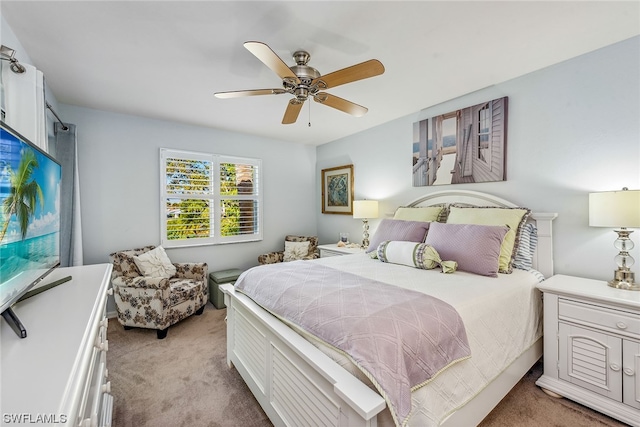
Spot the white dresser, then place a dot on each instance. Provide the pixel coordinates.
(57, 375)
(592, 345)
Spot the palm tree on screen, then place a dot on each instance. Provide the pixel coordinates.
(25, 193)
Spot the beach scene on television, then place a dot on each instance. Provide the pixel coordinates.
(29, 214)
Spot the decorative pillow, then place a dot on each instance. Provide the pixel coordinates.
(514, 218)
(155, 263)
(313, 241)
(418, 255)
(296, 250)
(523, 258)
(429, 213)
(396, 229)
(476, 248)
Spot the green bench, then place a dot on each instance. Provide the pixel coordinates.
(218, 278)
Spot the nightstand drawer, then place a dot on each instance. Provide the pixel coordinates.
(599, 317)
(335, 250)
(325, 253)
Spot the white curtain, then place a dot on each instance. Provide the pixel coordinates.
(24, 103)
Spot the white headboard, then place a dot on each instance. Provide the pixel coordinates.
(542, 259)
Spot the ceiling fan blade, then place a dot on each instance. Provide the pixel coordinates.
(340, 104)
(364, 70)
(271, 60)
(292, 112)
(241, 93)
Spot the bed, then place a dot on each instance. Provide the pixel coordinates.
(298, 380)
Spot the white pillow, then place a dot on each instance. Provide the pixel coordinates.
(296, 250)
(155, 263)
(411, 254)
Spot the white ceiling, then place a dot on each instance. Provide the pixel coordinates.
(165, 59)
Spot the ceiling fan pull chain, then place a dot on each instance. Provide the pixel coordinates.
(309, 113)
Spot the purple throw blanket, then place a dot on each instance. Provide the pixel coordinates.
(398, 337)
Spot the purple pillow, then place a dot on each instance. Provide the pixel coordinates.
(398, 230)
(476, 248)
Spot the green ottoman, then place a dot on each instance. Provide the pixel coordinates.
(218, 278)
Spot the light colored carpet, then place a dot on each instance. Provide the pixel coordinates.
(184, 380)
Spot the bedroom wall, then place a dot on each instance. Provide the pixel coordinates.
(9, 39)
(573, 128)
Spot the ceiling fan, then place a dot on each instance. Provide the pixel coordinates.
(304, 81)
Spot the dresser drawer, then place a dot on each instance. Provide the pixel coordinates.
(599, 317)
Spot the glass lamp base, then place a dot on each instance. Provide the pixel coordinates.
(365, 233)
(624, 279)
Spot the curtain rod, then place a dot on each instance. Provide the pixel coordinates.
(64, 127)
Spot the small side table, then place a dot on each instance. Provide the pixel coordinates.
(592, 345)
(334, 250)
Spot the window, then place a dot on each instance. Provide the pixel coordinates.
(209, 199)
(484, 133)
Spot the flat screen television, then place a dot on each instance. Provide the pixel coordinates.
(29, 218)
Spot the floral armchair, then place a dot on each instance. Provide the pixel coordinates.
(292, 250)
(156, 302)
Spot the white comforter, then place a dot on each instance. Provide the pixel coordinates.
(502, 317)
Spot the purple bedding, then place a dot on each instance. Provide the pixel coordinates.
(399, 338)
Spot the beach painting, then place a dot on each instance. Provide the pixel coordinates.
(462, 146)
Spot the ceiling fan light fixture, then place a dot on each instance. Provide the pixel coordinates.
(301, 93)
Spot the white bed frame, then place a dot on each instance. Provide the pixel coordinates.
(298, 385)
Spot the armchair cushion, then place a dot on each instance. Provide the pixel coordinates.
(155, 263)
(186, 290)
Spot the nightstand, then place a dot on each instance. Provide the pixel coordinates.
(334, 250)
(592, 345)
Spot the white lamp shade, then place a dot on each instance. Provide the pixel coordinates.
(615, 209)
(365, 209)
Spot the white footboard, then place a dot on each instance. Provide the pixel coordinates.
(294, 382)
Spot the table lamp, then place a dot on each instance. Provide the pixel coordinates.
(365, 209)
(619, 209)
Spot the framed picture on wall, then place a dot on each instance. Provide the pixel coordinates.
(337, 190)
(462, 146)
